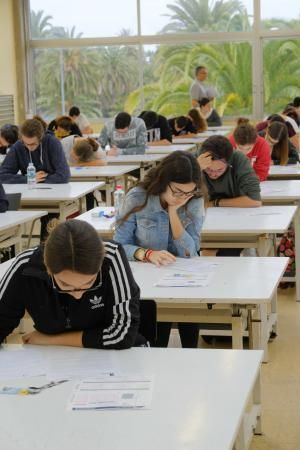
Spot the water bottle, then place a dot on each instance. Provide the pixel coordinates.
(119, 196)
(31, 176)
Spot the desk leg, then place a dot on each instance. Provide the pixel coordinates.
(260, 329)
(142, 172)
(237, 329)
(264, 246)
(251, 419)
(108, 192)
(297, 251)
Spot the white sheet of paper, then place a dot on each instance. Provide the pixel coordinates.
(21, 362)
(187, 279)
(194, 265)
(112, 391)
(85, 365)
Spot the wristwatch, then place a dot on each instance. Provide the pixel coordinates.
(140, 254)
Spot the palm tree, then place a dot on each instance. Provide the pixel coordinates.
(281, 73)
(206, 15)
(118, 70)
(40, 26)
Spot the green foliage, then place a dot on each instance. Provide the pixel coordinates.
(105, 80)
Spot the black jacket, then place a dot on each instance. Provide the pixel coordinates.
(108, 316)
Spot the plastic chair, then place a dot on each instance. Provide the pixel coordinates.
(14, 201)
(148, 320)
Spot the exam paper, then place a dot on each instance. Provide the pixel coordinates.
(194, 265)
(112, 391)
(24, 362)
(187, 279)
(84, 365)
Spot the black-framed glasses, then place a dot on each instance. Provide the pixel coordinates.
(182, 194)
(71, 291)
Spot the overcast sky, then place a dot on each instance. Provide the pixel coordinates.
(108, 17)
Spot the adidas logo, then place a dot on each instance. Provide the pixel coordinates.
(96, 302)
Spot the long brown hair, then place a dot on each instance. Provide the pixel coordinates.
(280, 151)
(73, 245)
(178, 167)
(244, 133)
(198, 121)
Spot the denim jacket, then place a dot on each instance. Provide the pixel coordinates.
(150, 227)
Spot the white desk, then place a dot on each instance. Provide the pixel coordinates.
(200, 137)
(103, 225)
(108, 174)
(202, 400)
(11, 226)
(226, 128)
(62, 198)
(246, 227)
(290, 172)
(167, 149)
(237, 284)
(144, 162)
(286, 192)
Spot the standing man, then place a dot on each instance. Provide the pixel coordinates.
(199, 89)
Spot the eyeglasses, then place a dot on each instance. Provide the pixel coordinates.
(70, 291)
(182, 194)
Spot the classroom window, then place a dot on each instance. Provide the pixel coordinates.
(57, 19)
(98, 79)
(174, 16)
(281, 73)
(169, 72)
(283, 17)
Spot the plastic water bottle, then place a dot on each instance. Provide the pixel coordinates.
(119, 196)
(31, 176)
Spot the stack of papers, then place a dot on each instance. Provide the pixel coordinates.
(112, 391)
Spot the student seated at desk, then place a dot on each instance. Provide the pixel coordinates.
(282, 150)
(3, 200)
(87, 149)
(199, 123)
(63, 126)
(126, 135)
(79, 291)
(182, 127)
(256, 148)
(209, 113)
(46, 154)
(42, 149)
(229, 178)
(158, 130)
(81, 120)
(9, 134)
(162, 218)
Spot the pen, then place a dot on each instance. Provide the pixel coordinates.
(43, 188)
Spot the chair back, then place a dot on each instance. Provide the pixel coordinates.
(148, 320)
(14, 201)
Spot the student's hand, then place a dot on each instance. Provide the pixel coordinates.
(37, 338)
(41, 176)
(173, 208)
(113, 151)
(161, 258)
(204, 160)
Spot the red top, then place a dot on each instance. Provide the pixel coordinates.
(260, 156)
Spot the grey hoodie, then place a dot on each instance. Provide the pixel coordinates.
(131, 143)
